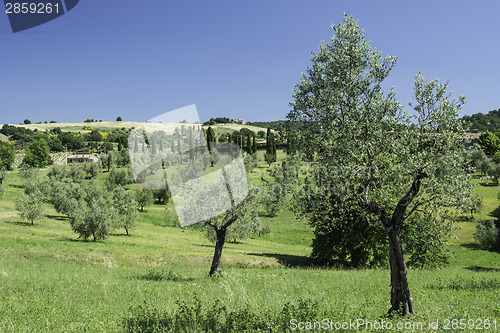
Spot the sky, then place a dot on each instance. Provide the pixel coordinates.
(238, 59)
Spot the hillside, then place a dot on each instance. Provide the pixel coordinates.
(51, 281)
(109, 125)
(483, 122)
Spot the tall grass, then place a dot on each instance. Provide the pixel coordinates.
(157, 278)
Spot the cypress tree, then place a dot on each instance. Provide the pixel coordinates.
(191, 151)
(274, 150)
(269, 144)
(249, 144)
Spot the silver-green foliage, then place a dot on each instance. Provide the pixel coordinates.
(30, 206)
(144, 197)
(125, 211)
(92, 215)
(366, 147)
(487, 234)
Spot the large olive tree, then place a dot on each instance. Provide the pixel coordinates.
(365, 148)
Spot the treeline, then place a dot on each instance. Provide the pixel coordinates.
(57, 140)
(274, 125)
(217, 120)
(483, 122)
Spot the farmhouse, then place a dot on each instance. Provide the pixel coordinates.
(82, 158)
(470, 139)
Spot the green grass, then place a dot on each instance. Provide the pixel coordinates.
(50, 281)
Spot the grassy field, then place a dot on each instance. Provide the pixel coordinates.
(50, 281)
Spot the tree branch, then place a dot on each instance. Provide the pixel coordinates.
(398, 215)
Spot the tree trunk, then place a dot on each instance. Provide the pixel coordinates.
(400, 292)
(126, 230)
(219, 244)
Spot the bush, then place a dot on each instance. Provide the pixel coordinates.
(91, 170)
(487, 234)
(7, 155)
(119, 177)
(215, 316)
(424, 237)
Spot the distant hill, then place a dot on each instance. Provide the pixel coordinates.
(275, 125)
(483, 122)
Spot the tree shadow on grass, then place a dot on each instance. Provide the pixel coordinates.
(495, 212)
(58, 217)
(488, 184)
(472, 246)
(205, 245)
(482, 269)
(80, 240)
(464, 218)
(27, 224)
(164, 275)
(286, 259)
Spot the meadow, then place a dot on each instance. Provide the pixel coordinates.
(50, 281)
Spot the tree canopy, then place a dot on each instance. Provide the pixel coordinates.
(364, 147)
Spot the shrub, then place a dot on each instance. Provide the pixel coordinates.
(487, 234)
(121, 177)
(215, 316)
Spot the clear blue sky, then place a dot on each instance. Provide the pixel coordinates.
(138, 59)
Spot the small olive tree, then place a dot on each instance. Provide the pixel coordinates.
(92, 215)
(144, 197)
(30, 206)
(125, 212)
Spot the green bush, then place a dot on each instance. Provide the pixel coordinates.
(487, 234)
(215, 316)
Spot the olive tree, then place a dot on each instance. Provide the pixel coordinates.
(92, 215)
(30, 206)
(125, 212)
(3, 174)
(237, 223)
(221, 202)
(364, 147)
(144, 197)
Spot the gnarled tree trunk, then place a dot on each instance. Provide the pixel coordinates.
(221, 238)
(400, 292)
